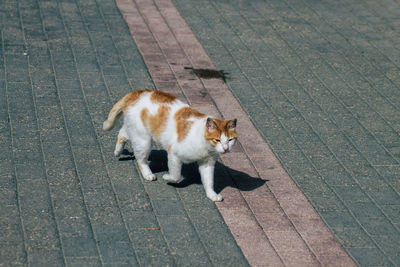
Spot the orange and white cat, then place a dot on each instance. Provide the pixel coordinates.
(186, 134)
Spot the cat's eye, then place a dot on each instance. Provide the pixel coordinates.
(230, 139)
(217, 140)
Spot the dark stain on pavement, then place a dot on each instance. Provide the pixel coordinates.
(209, 73)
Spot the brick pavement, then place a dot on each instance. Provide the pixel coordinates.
(273, 225)
(321, 82)
(65, 200)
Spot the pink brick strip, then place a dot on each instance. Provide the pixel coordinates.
(274, 224)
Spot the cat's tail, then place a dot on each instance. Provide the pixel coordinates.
(114, 115)
(118, 108)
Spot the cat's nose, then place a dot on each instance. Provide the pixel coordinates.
(225, 148)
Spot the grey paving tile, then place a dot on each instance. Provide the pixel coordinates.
(36, 211)
(213, 234)
(353, 237)
(13, 254)
(351, 193)
(118, 253)
(378, 226)
(38, 257)
(185, 243)
(389, 173)
(83, 261)
(369, 257)
(339, 220)
(389, 244)
(161, 191)
(79, 246)
(168, 207)
(393, 212)
(8, 196)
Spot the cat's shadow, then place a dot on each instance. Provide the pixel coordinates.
(224, 176)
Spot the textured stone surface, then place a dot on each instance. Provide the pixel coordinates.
(256, 214)
(320, 82)
(65, 200)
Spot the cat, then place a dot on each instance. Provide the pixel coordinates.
(186, 134)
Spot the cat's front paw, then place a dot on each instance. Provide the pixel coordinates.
(215, 197)
(118, 149)
(117, 153)
(170, 178)
(150, 177)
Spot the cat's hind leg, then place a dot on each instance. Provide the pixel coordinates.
(121, 140)
(141, 146)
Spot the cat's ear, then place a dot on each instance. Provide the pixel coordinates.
(210, 125)
(232, 124)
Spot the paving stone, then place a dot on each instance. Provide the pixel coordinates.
(168, 207)
(389, 244)
(82, 261)
(13, 255)
(369, 256)
(377, 226)
(351, 194)
(364, 209)
(393, 212)
(353, 237)
(39, 257)
(160, 191)
(185, 242)
(79, 247)
(209, 226)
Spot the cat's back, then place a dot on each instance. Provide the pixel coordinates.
(153, 110)
(149, 99)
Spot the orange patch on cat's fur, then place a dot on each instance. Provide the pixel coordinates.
(131, 98)
(144, 114)
(156, 123)
(214, 133)
(182, 122)
(162, 97)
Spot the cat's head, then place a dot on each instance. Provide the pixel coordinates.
(221, 134)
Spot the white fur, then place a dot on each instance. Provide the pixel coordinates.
(193, 148)
(225, 145)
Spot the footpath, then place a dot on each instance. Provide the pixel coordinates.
(314, 179)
